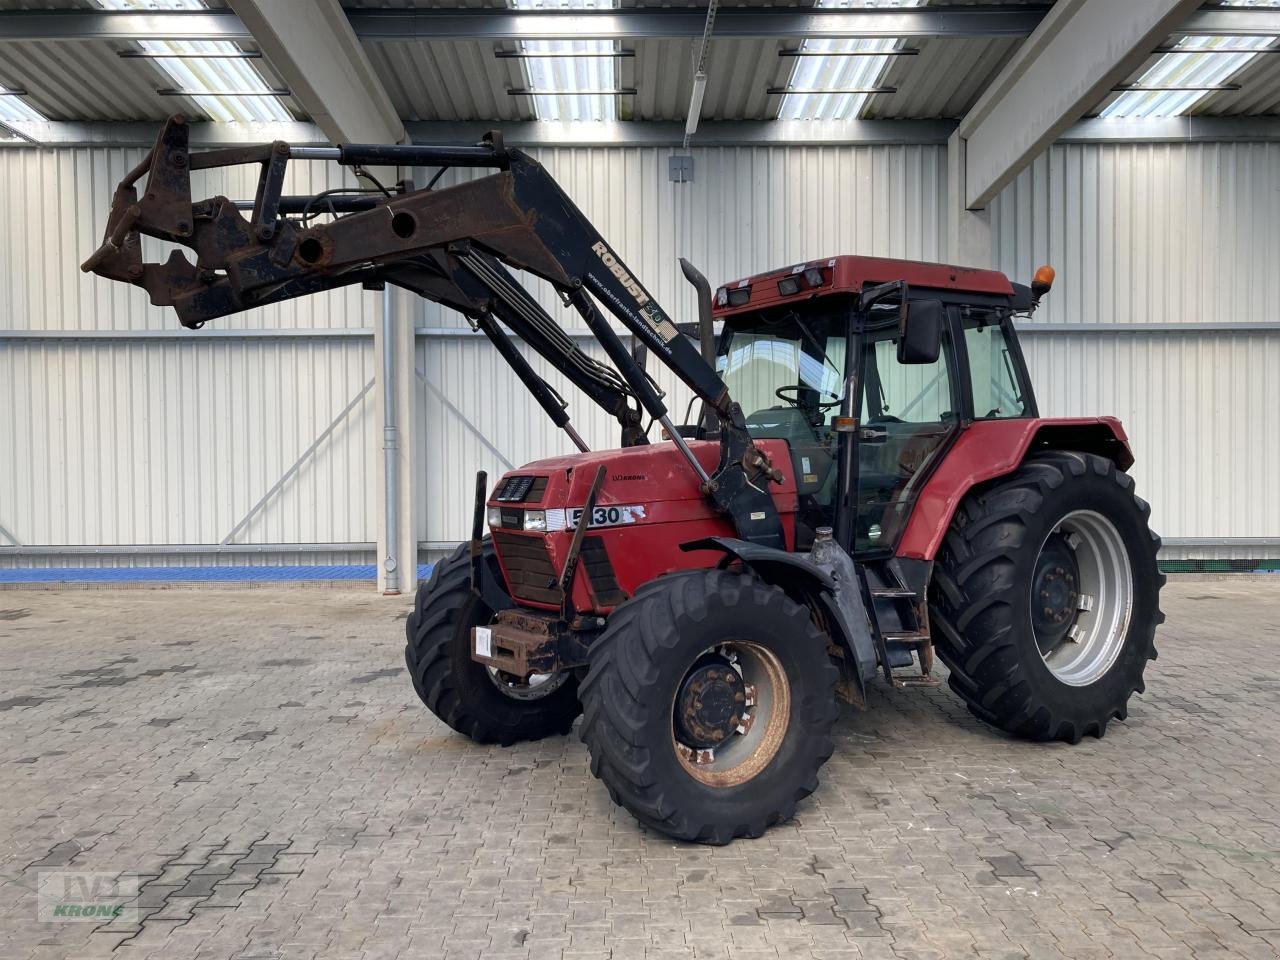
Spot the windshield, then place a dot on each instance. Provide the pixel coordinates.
(787, 372)
(801, 356)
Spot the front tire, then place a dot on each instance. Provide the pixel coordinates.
(1045, 598)
(708, 705)
(467, 695)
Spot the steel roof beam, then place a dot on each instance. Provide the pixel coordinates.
(993, 20)
(311, 45)
(528, 133)
(1231, 22)
(1079, 52)
(715, 133)
(732, 22)
(120, 25)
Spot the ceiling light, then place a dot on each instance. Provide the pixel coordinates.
(833, 79)
(218, 76)
(13, 109)
(1190, 71)
(571, 79)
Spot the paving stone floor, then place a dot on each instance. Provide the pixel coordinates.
(256, 760)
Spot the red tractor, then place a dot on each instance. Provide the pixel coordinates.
(868, 480)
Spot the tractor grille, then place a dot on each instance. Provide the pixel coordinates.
(521, 489)
(600, 572)
(527, 564)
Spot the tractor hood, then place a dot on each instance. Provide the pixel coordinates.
(639, 475)
(649, 504)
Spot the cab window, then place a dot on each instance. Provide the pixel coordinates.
(996, 386)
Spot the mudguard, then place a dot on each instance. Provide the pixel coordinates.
(989, 449)
(803, 579)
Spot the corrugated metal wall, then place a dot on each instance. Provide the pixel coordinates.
(1165, 235)
(135, 432)
(146, 441)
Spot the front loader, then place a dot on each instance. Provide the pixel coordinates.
(867, 481)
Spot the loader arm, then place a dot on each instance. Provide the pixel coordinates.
(448, 245)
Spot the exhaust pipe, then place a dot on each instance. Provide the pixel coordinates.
(706, 335)
(706, 328)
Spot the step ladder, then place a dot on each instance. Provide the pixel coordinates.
(899, 622)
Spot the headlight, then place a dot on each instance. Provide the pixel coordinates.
(535, 520)
(495, 517)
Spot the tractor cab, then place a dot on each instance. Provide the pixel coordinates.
(921, 358)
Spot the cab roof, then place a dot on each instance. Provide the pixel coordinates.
(849, 274)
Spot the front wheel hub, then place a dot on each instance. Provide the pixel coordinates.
(710, 704)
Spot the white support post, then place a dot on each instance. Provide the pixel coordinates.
(969, 239)
(397, 498)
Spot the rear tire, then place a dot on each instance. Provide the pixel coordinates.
(682, 641)
(463, 693)
(1068, 529)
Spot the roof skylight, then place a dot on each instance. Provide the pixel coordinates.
(230, 89)
(14, 109)
(571, 79)
(827, 87)
(1195, 72)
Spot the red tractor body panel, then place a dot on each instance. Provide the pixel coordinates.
(985, 450)
(632, 546)
(849, 274)
(650, 504)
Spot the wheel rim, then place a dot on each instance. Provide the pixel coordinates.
(1081, 597)
(730, 713)
(538, 685)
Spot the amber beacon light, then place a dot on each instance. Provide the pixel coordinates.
(1042, 281)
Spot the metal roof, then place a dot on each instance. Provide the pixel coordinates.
(88, 80)
(1259, 92)
(454, 80)
(1203, 61)
(463, 80)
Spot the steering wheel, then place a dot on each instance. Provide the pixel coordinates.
(781, 394)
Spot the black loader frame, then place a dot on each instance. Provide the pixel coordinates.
(450, 245)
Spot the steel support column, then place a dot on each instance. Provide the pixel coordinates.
(1078, 53)
(399, 496)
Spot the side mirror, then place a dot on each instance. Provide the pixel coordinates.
(919, 331)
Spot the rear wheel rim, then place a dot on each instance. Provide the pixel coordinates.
(1092, 586)
(754, 727)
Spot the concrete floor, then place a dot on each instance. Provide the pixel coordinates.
(257, 762)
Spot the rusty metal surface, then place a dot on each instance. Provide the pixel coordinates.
(523, 644)
(243, 263)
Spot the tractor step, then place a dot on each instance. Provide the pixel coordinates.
(905, 636)
(917, 681)
(893, 593)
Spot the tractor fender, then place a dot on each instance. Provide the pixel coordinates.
(806, 582)
(989, 449)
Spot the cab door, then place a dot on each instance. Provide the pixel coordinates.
(909, 413)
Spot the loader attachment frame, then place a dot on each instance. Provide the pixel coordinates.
(451, 245)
